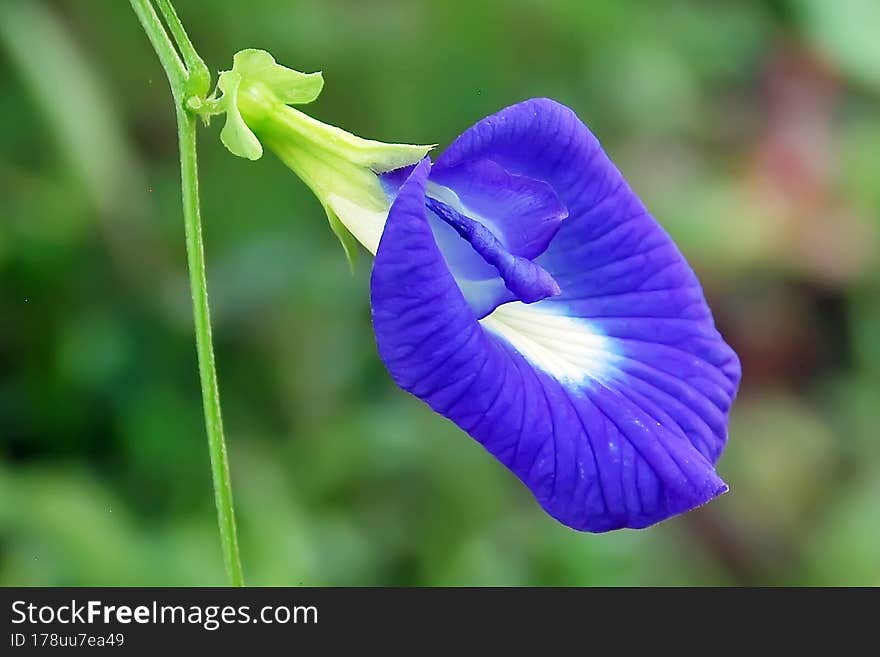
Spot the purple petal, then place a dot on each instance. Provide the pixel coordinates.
(618, 270)
(588, 401)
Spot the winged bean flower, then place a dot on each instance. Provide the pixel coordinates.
(521, 289)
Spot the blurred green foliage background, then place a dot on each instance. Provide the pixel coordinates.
(752, 130)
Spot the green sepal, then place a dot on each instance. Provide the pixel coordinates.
(377, 156)
(346, 239)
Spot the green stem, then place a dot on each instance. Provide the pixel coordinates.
(199, 77)
(195, 252)
(168, 56)
(180, 79)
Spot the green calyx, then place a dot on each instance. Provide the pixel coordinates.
(339, 167)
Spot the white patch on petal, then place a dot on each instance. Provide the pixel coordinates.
(366, 225)
(568, 348)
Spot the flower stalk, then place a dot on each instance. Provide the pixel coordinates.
(190, 81)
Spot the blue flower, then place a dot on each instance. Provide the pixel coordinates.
(522, 290)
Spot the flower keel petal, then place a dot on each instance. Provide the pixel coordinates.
(526, 280)
(524, 213)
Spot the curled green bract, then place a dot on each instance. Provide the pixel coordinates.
(261, 86)
(340, 168)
